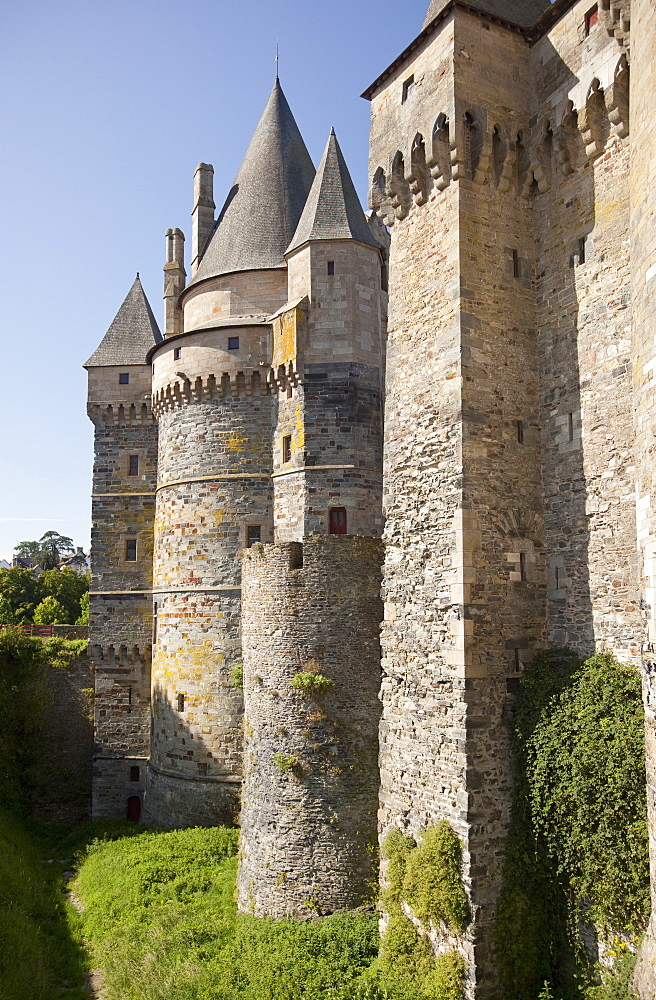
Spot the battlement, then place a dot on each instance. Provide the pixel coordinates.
(227, 385)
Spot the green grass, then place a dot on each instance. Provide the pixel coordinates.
(161, 918)
(40, 946)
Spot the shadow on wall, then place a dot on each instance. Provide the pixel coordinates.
(583, 290)
(184, 786)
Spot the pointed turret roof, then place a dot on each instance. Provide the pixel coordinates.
(266, 200)
(523, 13)
(333, 210)
(132, 333)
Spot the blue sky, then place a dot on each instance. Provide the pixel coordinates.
(107, 109)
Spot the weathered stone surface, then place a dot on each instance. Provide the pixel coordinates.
(310, 757)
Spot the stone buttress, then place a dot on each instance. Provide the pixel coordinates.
(311, 608)
(123, 507)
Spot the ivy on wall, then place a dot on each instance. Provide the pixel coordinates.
(577, 852)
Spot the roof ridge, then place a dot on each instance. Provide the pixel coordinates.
(332, 210)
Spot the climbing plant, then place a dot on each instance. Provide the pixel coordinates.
(578, 845)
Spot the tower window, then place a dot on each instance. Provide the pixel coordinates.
(570, 426)
(154, 623)
(134, 773)
(331, 267)
(233, 343)
(133, 466)
(515, 255)
(591, 18)
(124, 378)
(407, 87)
(522, 566)
(253, 534)
(131, 550)
(177, 353)
(520, 432)
(287, 448)
(181, 702)
(337, 521)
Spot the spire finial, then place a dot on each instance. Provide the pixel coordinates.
(137, 274)
(277, 59)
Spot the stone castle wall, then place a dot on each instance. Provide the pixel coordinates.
(584, 321)
(643, 295)
(310, 758)
(120, 612)
(214, 480)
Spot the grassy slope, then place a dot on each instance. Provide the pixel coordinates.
(161, 918)
(40, 952)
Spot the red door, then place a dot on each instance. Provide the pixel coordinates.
(134, 809)
(337, 520)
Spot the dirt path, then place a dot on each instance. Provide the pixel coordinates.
(94, 980)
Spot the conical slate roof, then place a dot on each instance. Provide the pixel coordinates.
(333, 210)
(132, 333)
(265, 203)
(523, 13)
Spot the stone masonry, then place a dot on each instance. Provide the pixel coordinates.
(512, 239)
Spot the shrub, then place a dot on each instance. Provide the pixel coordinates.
(50, 612)
(310, 683)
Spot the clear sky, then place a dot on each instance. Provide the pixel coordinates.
(107, 108)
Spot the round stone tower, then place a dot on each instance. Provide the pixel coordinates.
(214, 487)
(311, 614)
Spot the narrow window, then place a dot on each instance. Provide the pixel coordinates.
(331, 267)
(153, 369)
(557, 577)
(133, 468)
(570, 426)
(520, 432)
(129, 696)
(582, 250)
(177, 353)
(134, 773)
(253, 534)
(287, 448)
(124, 378)
(591, 18)
(154, 623)
(233, 343)
(517, 660)
(522, 566)
(131, 550)
(181, 702)
(337, 521)
(407, 87)
(515, 264)
(290, 392)
(512, 685)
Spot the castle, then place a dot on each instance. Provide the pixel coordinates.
(241, 474)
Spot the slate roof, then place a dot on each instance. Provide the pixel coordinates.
(333, 210)
(523, 13)
(132, 333)
(267, 198)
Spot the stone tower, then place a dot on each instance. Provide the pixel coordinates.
(215, 413)
(311, 603)
(500, 160)
(122, 510)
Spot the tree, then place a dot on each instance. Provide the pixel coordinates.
(67, 587)
(48, 551)
(29, 550)
(23, 696)
(50, 612)
(84, 610)
(20, 590)
(7, 616)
